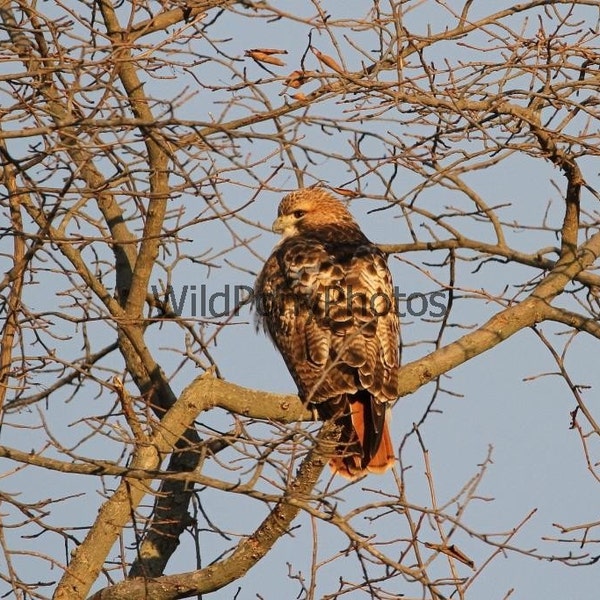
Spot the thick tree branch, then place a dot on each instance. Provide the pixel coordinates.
(13, 304)
(502, 325)
(249, 551)
(116, 512)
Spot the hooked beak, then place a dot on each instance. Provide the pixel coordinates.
(285, 224)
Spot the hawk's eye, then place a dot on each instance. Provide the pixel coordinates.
(298, 214)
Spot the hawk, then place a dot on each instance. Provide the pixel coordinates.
(325, 298)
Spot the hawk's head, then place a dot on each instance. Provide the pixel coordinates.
(309, 209)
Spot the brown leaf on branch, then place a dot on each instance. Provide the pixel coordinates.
(345, 192)
(269, 50)
(264, 57)
(452, 551)
(297, 79)
(328, 61)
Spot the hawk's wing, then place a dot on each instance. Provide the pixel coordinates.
(330, 310)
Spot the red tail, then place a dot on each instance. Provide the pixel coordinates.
(365, 445)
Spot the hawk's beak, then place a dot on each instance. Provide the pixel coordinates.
(285, 225)
(278, 225)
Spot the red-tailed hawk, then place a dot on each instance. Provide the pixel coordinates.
(325, 298)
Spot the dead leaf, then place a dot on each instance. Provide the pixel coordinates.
(452, 551)
(268, 50)
(346, 193)
(327, 60)
(265, 58)
(297, 78)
